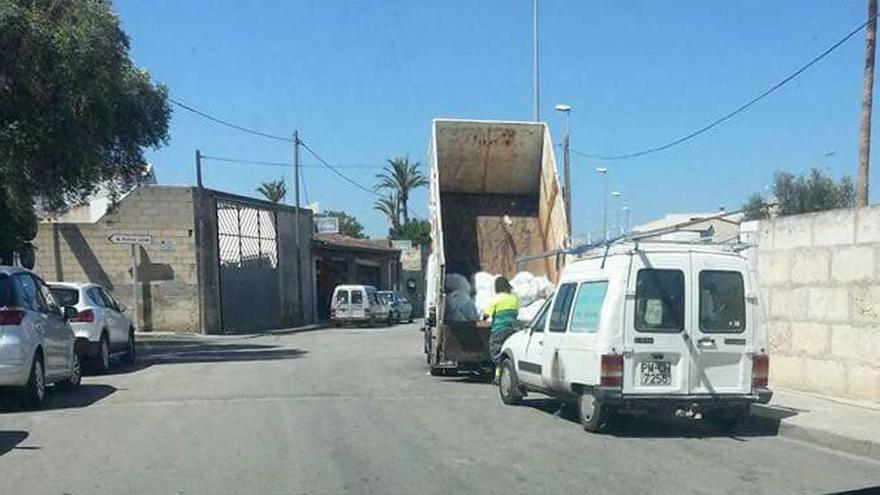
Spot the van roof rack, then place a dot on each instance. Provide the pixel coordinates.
(642, 236)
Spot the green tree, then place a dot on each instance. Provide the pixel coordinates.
(401, 176)
(794, 195)
(389, 206)
(348, 225)
(417, 231)
(274, 190)
(75, 112)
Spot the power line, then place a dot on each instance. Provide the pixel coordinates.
(227, 123)
(247, 161)
(733, 113)
(337, 172)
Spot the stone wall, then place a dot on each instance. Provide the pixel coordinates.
(820, 279)
(167, 271)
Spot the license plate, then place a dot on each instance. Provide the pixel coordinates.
(655, 373)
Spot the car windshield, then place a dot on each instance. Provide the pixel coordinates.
(65, 296)
(387, 297)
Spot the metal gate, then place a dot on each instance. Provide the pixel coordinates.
(250, 296)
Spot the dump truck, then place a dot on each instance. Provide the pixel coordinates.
(494, 198)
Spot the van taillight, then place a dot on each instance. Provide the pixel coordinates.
(760, 370)
(87, 316)
(11, 316)
(612, 370)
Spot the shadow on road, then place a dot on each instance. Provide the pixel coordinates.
(84, 395)
(198, 350)
(9, 439)
(664, 427)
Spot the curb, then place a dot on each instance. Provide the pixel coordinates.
(817, 436)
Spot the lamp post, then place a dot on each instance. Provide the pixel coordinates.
(626, 215)
(616, 195)
(604, 172)
(566, 196)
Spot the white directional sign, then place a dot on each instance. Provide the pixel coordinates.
(137, 239)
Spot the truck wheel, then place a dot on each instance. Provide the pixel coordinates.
(591, 411)
(508, 385)
(435, 371)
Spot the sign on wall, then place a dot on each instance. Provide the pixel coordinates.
(327, 225)
(135, 239)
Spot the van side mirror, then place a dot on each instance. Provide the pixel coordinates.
(68, 312)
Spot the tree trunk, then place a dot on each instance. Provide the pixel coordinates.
(403, 201)
(867, 98)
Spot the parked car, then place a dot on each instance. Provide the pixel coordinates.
(100, 325)
(36, 342)
(358, 304)
(401, 308)
(644, 328)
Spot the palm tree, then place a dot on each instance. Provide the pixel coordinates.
(389, 207)
(274, 190)
(401, 176)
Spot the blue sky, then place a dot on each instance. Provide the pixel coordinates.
(361, 80)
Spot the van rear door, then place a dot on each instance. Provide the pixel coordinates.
(724, 325)
(657, 324)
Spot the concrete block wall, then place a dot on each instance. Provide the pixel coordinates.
(168, 279)
(820, 281)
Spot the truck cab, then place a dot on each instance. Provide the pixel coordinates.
(642, 327)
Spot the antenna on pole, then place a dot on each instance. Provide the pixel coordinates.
(536, 82)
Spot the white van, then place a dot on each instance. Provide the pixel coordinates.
(642, 327)
(358, 304)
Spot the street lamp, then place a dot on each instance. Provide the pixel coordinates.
(604, 172)
(626, 214)
(566, 193)
(616, 195)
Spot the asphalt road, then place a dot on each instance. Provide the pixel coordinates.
(354, 411)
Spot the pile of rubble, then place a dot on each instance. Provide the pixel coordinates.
(466, 301)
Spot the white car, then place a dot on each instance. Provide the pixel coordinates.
(36, 343)
(100, 324)
(641, 327)
(358, 304)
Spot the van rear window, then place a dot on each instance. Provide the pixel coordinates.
(659, 301)
(722, 302)
(341, 297)
(7, 292)
(357, 297)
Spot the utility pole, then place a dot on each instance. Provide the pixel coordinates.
(199, 168)
(867, 99)
(299, 285)
(536, 98)
(604, 172)
(566, 193)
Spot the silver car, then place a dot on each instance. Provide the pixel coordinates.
(401, 308)
(100, 325)
(36, 342)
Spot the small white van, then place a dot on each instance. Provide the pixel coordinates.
(646, 326)
(358, 304)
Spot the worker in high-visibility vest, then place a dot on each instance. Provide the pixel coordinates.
(503, 311)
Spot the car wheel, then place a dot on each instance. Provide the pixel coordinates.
(591, 411)
(131, 350)
(508, 385)
(75, 375)
(34, 393)
(102, 359)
